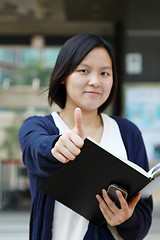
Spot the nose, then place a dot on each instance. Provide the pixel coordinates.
(94, 80)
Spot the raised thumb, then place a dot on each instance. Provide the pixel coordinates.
(78, 122)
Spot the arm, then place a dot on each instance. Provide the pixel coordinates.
(37, 136)
(44, 151)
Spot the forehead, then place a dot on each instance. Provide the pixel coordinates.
(98, 54)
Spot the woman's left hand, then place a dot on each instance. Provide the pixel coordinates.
(113, 215)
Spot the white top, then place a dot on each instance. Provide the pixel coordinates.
(74, 226)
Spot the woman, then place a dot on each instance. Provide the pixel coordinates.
(83, 84)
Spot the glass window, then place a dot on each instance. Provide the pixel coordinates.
(22, 65)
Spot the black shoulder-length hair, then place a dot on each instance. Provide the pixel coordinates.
(70, 56)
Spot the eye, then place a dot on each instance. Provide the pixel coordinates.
(105, 73)
(83, 71)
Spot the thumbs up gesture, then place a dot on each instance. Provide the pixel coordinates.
(78, 123)
(68, 145)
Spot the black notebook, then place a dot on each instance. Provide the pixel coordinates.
(76, 184)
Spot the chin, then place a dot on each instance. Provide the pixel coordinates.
(90, 108)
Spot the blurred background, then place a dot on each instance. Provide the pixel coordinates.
(31, 35)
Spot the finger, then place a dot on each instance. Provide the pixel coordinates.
(64, 157)
(72, 148)
(107, 205)
(59, 156)
(122, 200)
(112, 208)
(78, 122)
(102, 204)
(104, 212)
(67, 154)
(68, 139)
(67, 148)
(108, 201)
(76, 140)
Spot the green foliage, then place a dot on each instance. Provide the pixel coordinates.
(10, 143)
(34, 69)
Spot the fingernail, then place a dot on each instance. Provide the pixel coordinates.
(118, 192)
(98, 197)
(104, 191)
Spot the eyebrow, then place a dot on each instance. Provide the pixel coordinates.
(107, 67)
(86, 65)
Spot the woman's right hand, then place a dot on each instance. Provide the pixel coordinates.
(68, 145)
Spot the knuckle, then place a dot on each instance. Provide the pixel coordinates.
(55, 149)
(61, 139)
(110, 204)
(77, 152)
(81, 142)
(72, 157)
(53, 152)
(67, 133)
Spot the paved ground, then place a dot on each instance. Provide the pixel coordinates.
(154, 233)
(14, 225)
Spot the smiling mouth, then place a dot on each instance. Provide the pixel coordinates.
(92, 92)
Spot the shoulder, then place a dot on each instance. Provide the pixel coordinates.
(39, 122)
(133, 141)
(125, 124)
(40, 119)
(129, 131)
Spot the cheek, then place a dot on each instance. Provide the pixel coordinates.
(108, 86)
(72, 80)
(73, 87)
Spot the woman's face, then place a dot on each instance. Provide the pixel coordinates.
(89, 85)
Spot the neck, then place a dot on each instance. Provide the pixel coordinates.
(92, 123)
(91, 119)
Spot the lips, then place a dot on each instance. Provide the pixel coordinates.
(92, 92)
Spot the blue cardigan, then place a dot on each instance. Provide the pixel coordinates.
(36, 136)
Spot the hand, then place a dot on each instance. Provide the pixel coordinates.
(113, 215)
(68, 145)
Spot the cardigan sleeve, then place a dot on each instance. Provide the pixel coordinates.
(36, 136)
(139, 224)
